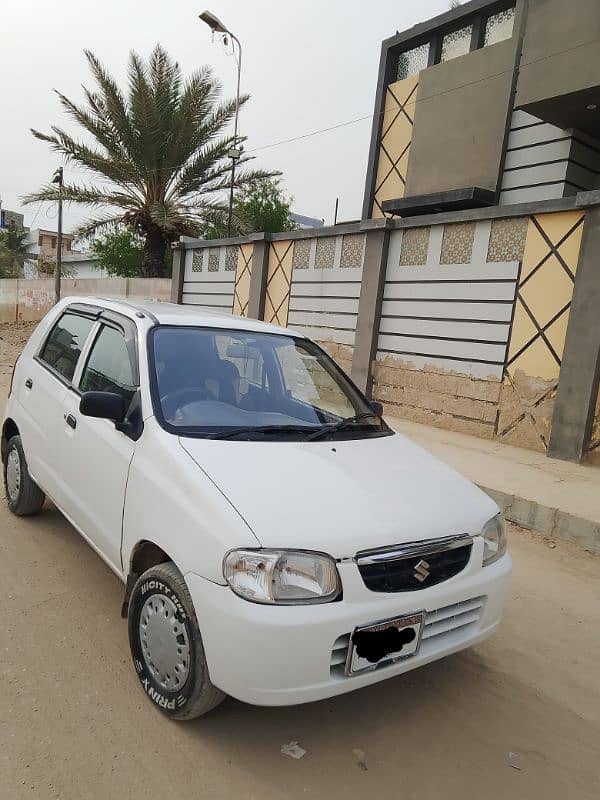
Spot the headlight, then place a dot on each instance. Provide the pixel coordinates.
(286, 577)
(494, 540)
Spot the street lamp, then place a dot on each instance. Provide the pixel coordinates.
(216, 26)
(58, 179)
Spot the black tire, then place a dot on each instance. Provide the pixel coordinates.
(28, 498)
(196, 695)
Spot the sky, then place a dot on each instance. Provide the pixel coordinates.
(307, 65)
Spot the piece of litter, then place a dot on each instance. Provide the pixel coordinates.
(293, 750)
(360, 759)
(513, 760)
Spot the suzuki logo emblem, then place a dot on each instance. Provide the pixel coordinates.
(421, 572)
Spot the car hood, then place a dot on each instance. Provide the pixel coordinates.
(340, 497)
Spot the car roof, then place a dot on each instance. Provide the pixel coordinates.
(174, 314)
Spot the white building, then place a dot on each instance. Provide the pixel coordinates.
(42, 246)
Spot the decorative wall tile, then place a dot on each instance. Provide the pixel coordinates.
(197, 260)
(231, 259)
(325, 255)
(457, 43)
(279, 279)
(396, 137)
(507, 239)
(539, 327)
(414, 247)
(241, 294)
(411, 62)
(499, 26)
(353, 249)
(213, 259)
(457, 244)
(301, 256)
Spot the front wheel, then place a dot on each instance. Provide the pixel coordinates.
(166, 645)
(23, 495)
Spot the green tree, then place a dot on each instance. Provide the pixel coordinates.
(261, 205)
(160, 152)
(13, 251)
(120, 252)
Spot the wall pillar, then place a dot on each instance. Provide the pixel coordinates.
(580, 371)
(178, 272)
(258, 276)
(369, 305)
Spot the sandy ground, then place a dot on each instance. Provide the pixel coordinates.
(74, 723)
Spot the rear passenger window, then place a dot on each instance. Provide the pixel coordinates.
(109, 368)
(65, 343)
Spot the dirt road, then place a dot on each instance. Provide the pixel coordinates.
(75, 725)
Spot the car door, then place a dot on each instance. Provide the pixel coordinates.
(44, 381)
(95, 456)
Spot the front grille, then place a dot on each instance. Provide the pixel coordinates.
(414, 567)
(444, 627)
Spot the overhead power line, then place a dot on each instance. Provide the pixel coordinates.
(312, 133)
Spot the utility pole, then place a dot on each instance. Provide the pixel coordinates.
(58, 179)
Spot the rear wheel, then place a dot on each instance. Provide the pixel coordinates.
(23, 495)
(166, 645)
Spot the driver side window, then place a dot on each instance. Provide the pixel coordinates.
(109, 367)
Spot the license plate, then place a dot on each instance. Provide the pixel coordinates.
(384, 642)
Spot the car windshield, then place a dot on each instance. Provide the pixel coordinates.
(246, 385)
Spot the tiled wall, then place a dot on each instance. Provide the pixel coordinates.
(473, 324)
(209, 277)
(473, 315)
(325, 291)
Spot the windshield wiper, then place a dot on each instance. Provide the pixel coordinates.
(260, 429)
(342, 425)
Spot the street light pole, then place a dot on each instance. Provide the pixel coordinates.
(216, 26)
(235, 152)
(58, 179)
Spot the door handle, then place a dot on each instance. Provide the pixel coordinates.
(29, 383)
(71, 421)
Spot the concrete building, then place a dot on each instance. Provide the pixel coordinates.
(42, 243)
(42, 246)
(6, 217)
(493, 102)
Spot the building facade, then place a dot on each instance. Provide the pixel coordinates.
(494, 102)
(467, 297)
(42, 243)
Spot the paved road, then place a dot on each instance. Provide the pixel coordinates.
(75, 725)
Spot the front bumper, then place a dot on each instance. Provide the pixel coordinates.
(282, 655)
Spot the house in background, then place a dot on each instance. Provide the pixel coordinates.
(42, 246)
(6, 217)
(301, 221)
(42, 243)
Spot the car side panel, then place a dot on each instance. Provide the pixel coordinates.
(171, 502)
(36, 406)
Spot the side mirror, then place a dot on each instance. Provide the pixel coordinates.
(103, 405)
(376, 407)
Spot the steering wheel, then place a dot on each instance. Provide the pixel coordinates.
(174, 401)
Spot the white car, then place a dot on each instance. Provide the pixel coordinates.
(277, 540)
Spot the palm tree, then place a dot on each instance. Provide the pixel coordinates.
(160, 153)
(13, 250)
